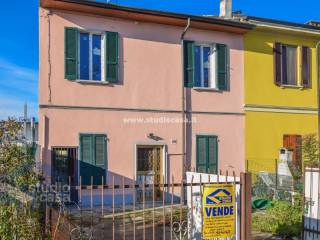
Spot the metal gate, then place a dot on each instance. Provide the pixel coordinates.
(311, 219)
(113, 212)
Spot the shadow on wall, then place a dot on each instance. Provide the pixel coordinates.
(262, 47)
(189, 137)
(123, 190)
(65, 173)
(45, 152)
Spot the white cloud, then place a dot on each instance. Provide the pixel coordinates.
(17, 86)
(19, 78)
(27, 73)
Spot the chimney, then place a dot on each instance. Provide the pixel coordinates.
(226, 8)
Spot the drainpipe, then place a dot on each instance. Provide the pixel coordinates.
(318, 87)
(183, 102)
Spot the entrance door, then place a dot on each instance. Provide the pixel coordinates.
(64, 171)
(149, 170)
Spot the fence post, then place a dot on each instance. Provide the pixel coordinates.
(303, 202)
(245, 191)
(277, 176)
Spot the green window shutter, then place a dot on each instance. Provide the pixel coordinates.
(112, 56)
(212, 154)
(92, 158)
(222, 66)
(188, 63)
(86, 156)
(201, 154)
(100, 151)
(207, 154)
(70, 53)
(100, 159)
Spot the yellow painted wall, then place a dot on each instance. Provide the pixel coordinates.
(264, 135)
(259, 71)
(264, 130)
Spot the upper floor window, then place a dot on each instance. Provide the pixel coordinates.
(289, 65)
(203, 59)
(286, 65)
(206, 65)
(91, 55)
(90, 58)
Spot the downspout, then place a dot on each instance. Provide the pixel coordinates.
(49, 55)
(318, 88)
(183, 110)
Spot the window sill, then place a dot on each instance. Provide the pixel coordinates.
(93, 82)
(207, 89)
(292, 86)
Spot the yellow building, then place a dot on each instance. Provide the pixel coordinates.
(281, 82)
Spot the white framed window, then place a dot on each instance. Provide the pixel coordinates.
(210, 66)
(91, 60)
(204, 62)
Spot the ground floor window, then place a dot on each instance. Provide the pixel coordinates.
(92, 158)
(207, 154)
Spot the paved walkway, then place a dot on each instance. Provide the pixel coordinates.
(264, 236)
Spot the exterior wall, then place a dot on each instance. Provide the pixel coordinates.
(264, 136)
(259, 71)
(150, 67)
(122, 135)
(150, 87)
(267, 105)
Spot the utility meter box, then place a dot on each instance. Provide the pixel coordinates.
(285, 155)
(285, 158)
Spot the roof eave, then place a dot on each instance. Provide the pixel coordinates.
(277, 25)
(292, 30)
(142, 15)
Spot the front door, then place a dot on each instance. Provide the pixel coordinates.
(149, 170)
(63, 170)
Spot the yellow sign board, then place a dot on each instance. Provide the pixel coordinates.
(219, 211)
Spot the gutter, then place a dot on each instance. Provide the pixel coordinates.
(293, 30)
(276, 22)
(144, 15)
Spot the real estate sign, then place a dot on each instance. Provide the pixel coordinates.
(218, 210)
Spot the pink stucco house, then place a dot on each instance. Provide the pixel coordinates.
(117, 82)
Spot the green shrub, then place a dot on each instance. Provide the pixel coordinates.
(18, 223)
(17, 163)
(282, 219)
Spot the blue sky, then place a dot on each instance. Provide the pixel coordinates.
(19, 38)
